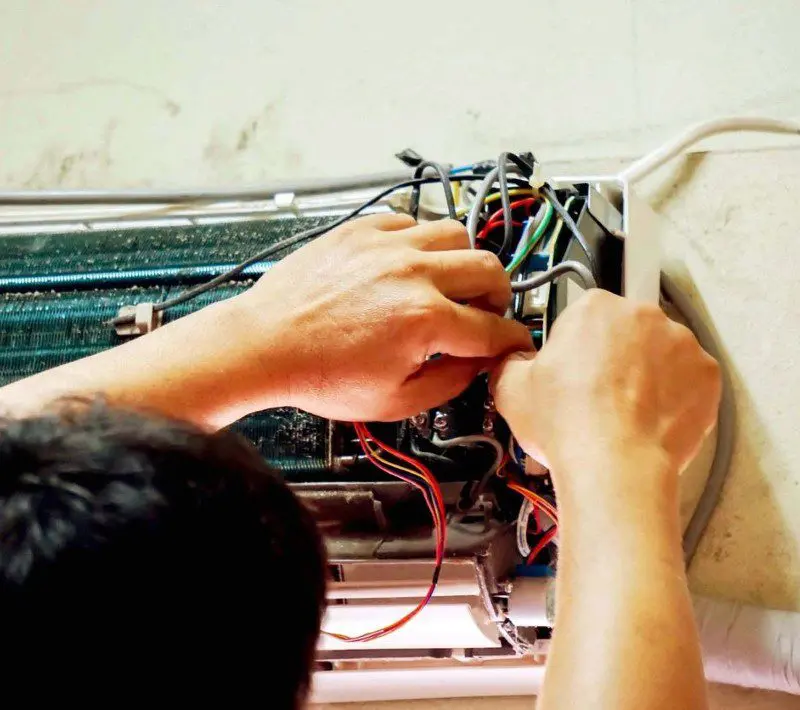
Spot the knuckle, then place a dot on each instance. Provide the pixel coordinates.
(403, 220)
(683, 336)
(490, 261)
(648, 311)
(595, 299)
(448, 231)
(411, 266)
(425, 312)
(453, 228)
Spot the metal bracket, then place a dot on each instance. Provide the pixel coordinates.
(145, 319)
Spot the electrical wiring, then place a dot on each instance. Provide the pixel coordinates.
(526, 171)
(700, 131)
(419, 453)
(473, 440)
(527, 243)
(232, 273)
(549, 250)
(474, 216)
(485, 232)
(498, 217)
(546, 277)
(446, 185)
(462, 169)
(523, 520)
(562, 212)
(419, 476)
(535, 499)
(481, 195)
(544, 541)
(726, 421)
(518, 192)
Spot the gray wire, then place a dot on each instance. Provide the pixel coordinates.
(472, 440)
(474, 216)
(561, 211)
(553, 274)
(444, 178)
(726, 423)
(438, 458)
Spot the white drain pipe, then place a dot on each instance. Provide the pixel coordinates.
(749, 646)
(742, 645)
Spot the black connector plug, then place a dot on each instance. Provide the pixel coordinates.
(409, 157)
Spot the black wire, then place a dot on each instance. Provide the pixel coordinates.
(505, 198)
(444, 177)
(561, 211)
(233, 272)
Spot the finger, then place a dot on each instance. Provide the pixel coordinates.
(508, 370)
(465, 331)
(471, 275)
(438, 381)
(506, 382)
(443, 234)
(385, 222)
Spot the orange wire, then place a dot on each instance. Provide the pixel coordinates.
(436, 508)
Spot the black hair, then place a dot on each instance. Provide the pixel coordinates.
(137, 547)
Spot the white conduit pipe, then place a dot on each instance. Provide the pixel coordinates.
(749, 646)
(742, 645)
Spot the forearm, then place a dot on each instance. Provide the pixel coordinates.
(625, 634)
(179, 371)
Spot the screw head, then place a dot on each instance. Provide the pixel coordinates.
(440, 421)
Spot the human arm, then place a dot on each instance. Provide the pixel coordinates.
(342, 328)
(616, 404)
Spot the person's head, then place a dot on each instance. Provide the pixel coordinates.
(148, 547)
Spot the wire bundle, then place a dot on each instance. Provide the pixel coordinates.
(543, 505)
(524, 166)
(415, 473)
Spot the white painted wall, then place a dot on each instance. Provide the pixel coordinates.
(148, 92)
(104, 93)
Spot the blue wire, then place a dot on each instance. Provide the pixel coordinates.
(461, 169)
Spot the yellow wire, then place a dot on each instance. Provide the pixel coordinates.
(392, 464)
(398, 467)
(496, 196)
(536, 499)
(511, 193)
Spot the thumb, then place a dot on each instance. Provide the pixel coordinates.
(507, 383)
(440, 380)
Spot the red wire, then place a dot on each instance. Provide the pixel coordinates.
(421, 467)
(544, 541)
(496, 218)
(437, 510)
(535, 512)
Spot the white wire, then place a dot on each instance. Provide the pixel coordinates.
(525, 511)
(680, 143)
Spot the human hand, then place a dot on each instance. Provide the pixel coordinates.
(616, 378)
(347, 324)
